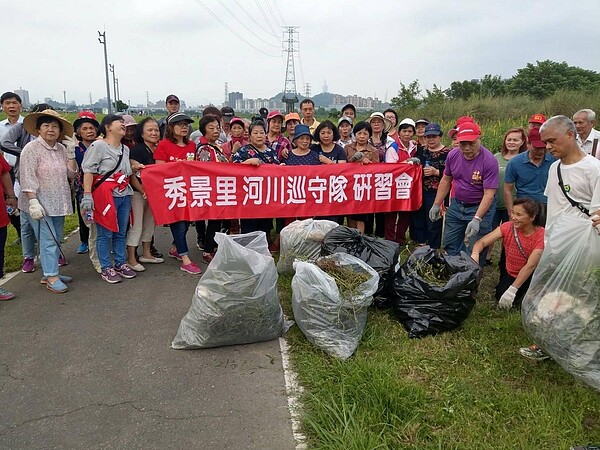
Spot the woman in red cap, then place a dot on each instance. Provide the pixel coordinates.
(275, 138)
(237, 128)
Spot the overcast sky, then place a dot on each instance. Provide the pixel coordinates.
(358, 47)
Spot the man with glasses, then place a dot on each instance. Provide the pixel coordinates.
(473, 172)
(172, 106)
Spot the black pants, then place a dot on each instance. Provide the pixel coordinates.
(507, 280)
(250, 225)
(212, 228)
(84, 231)
(3, 234)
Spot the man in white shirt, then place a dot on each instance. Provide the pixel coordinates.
(588, 138)
(12, 106)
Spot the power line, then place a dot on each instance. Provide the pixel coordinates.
(265, 17)
(233, 31)
(253, 20)
(245, 26)
(279, 12)
(276, 19)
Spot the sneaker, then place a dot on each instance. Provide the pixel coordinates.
(6, 295)
(83, 248)
(173, 254)
(58, 287)
(191, 268)
(63, 278)
(533, 352)
(110, 275)
(208, 257)
(155, 252)
(200, 246)
(62, 261)
(125, 271)
(28, 265)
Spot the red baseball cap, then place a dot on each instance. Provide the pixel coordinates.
(85, 116)
(537, 118)
(463, 119)
(468, 132)
(535, 138)
(452, 132)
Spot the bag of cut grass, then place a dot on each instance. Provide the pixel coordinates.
(434, 292)
(380, 254)
(560, 310)
(302, 239)
(236, 299)
(330, 297)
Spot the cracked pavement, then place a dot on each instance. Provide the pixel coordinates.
(93, 368)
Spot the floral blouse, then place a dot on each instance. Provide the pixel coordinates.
(268, 156)
(43, 170)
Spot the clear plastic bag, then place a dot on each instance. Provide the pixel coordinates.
(236, 299)
(560, 310)
(302, 239)
(330, 320)
(382, 255)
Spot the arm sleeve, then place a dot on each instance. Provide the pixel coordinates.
(91, 159)
(491, 170)
(27, 170)
(9, 140)
(509, 174)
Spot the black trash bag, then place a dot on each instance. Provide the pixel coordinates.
(430, 307)
(380, 254)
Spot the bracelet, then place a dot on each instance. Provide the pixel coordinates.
(11, 196)
(478, 218)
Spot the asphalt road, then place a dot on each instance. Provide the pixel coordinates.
(93, 368)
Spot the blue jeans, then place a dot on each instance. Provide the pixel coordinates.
(46, 230)
(123, 207)
(458, 217)
(426, 231)
(27, 238)
(179, 232)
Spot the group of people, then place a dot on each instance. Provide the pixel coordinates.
(483, 197)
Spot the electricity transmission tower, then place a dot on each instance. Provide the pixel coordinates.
(290, 96)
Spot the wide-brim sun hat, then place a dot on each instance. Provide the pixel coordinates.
(387, 124)
(179, 117)
(301, 130)
(30, 121)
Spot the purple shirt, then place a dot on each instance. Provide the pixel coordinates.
(470, 178)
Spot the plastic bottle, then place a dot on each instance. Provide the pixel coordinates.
(427, 164)
(12, 211)
(88, 217)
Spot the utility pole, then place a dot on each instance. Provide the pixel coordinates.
(112, 70)
(102, 40)
(307, 89)
(118, 96)
(91, 99)
(226, 102)
(290, 96)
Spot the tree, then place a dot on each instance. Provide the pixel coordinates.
(462, 89)
(492, 86)
(546, 77)
(120, 106)
(434, 96)
(334, 113)
(408, 96)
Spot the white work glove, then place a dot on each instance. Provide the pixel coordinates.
(472, 228)
(36, 211)
(507, 299)
(435, 213)
(87, 202)
(70, 143)
(413, 160)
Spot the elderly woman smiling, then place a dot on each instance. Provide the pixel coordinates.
(45, 169)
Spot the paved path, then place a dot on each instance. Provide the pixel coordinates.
(93, 368)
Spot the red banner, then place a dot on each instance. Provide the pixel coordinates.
(191, 190)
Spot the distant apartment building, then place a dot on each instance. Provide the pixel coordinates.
(368, 103)
(24, 94)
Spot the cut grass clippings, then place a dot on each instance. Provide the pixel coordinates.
(464, 389)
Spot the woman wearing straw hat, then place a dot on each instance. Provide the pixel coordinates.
(45, 169)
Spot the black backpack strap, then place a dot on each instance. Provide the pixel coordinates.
(594, 147)
(577, 205)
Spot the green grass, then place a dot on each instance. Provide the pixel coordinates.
(13, 255)
(465, 389)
